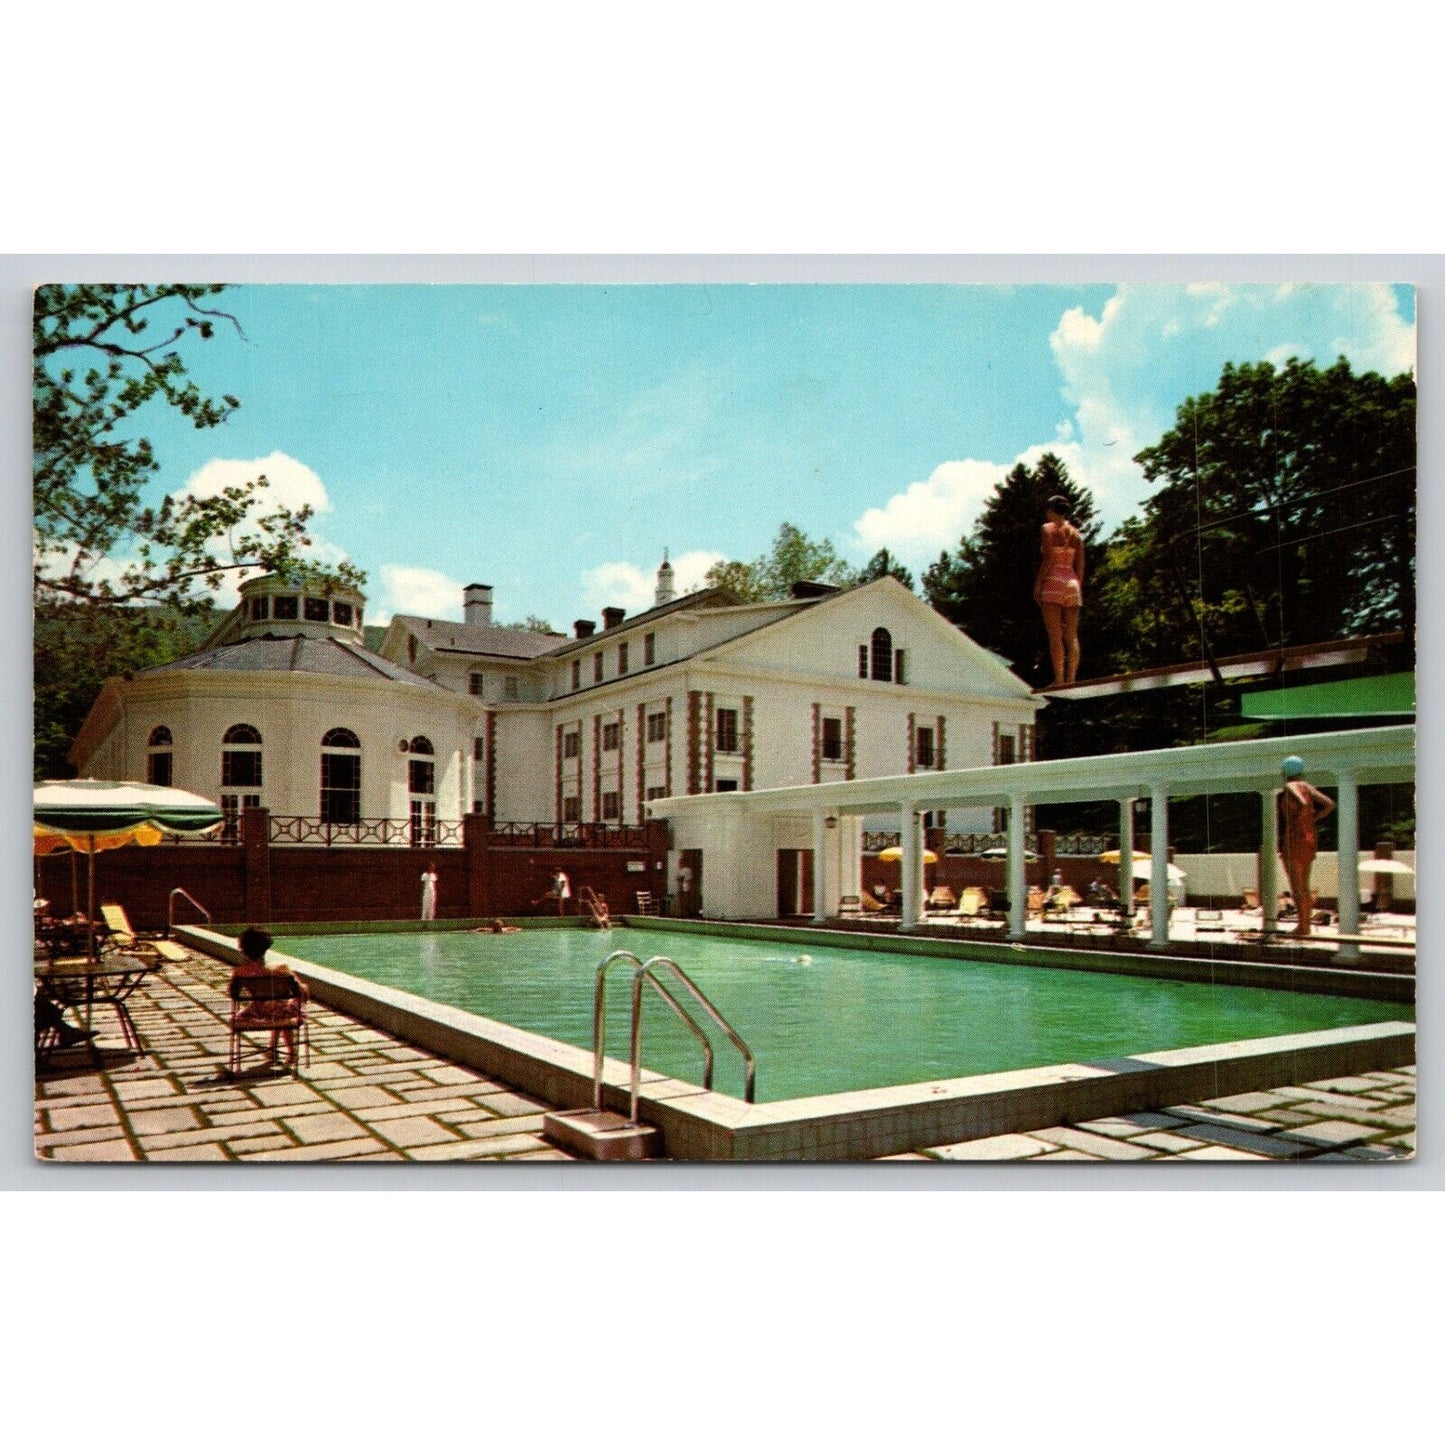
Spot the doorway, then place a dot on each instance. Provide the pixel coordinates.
(795, 882)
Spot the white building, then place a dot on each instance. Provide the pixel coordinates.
(285, 708)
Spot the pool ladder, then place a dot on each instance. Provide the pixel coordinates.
(598, 1132)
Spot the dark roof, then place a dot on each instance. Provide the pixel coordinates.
(322, 656)
(474, 639)
(703, 598)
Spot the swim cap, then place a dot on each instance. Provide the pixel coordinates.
(1292, 766)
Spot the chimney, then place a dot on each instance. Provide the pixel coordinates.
(665, 589)
(584, 627)
(611, 616)
(477, 605)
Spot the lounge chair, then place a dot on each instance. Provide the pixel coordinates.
(869, 903)
(973, 903)
(943, 900)
(1035, 902)
(646, 904)
(850, 906)
(119, 934)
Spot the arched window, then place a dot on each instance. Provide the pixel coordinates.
(882, 655)
(159, 758)
(340, 777)
(421, 784)
(241, 757)
(240, 776)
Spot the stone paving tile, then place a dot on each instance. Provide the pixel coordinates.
(503, 1102)
(77, 1138)
(1374, 1152)
(489, 1128)
(1203, 1113)
(1331, 1132)
(507, 1145)
(164, 1121)
(317, 1128)
(82, 1117)
(1066, 1155)
(166, 1144)
(337, 1149)
(100, 1152)
(134, 1090)
(1166, 1142)
(197, 1154)
(410, 1133)
(1243, 1103)
(361, 1098)
(1355, 1084)
(1099, 1146)
(999, 1147)
(1220, 1153)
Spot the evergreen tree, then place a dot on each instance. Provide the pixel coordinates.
(884, 564)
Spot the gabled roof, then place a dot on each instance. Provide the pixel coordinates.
(989, 663)
(320, 656)
(471, 639)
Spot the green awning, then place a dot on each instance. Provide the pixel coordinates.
(1392, 695)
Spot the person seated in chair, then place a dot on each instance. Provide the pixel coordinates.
(283, 1012)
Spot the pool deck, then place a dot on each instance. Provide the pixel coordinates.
(366, 1096)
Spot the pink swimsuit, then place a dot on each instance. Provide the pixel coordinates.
(1060, 584)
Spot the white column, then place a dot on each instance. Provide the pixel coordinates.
(1269, 859)
(911, 865)
(820, 867)
(1017, 889)
(1159, 867)
(1348, 861)
(1126, 856)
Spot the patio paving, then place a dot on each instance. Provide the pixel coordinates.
(367, 1096)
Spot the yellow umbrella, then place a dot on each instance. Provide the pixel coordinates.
(895, 855)
(146, 834)
(1115, 856)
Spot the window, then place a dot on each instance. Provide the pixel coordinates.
(341, 613)
(727, 730)
(611, 806)
(241, 757)
(159, 758)
(571, 810)
(833, 739)
(649, 649)
(882, 654)
(656, 727)
(571, 744)
(510, 689)
(474, 683)
(656, 793)
(923, 747)
(232, 806)
(611, 737)
(283, 609)
(1005, 749)
(423, 823)
(621, 658)
(898, 673)
(259, 609)
(596, 667)
(477, 749)
(862, 659)
(725, 785)
(576, 673)
(420, 769)
(340, 777)
(317, 609)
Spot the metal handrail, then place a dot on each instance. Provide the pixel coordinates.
(644, 972)
(171, 907)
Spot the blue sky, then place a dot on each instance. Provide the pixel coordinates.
(553, 440)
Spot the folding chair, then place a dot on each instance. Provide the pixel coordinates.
(119, 934)
(270, 1004)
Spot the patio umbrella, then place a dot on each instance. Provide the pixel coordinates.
(1144, 868)
(1114, 855)
(997, 855)
(92, 815)
(1384, 865)
(895, 855)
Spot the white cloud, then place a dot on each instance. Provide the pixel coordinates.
(929, 517)
(419, 591)
(624, 584)
(292, 483)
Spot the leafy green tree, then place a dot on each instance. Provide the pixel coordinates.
(884, 564)
(102, 356)
(986, 585)
(794, 557)
(1285, 514)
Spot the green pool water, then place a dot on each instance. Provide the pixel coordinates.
(822, 1020)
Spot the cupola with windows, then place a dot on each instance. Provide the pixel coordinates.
(271, 605)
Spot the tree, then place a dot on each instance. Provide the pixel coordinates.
(986, 586)
(884, 564)
(1285, 512)
(102, 355)
(794, 557)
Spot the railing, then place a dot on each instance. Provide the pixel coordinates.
(566, 835)
(366, 832)
(171, 907)
(973, 845)
(647, 973)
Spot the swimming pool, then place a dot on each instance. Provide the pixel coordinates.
(822, 1018)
